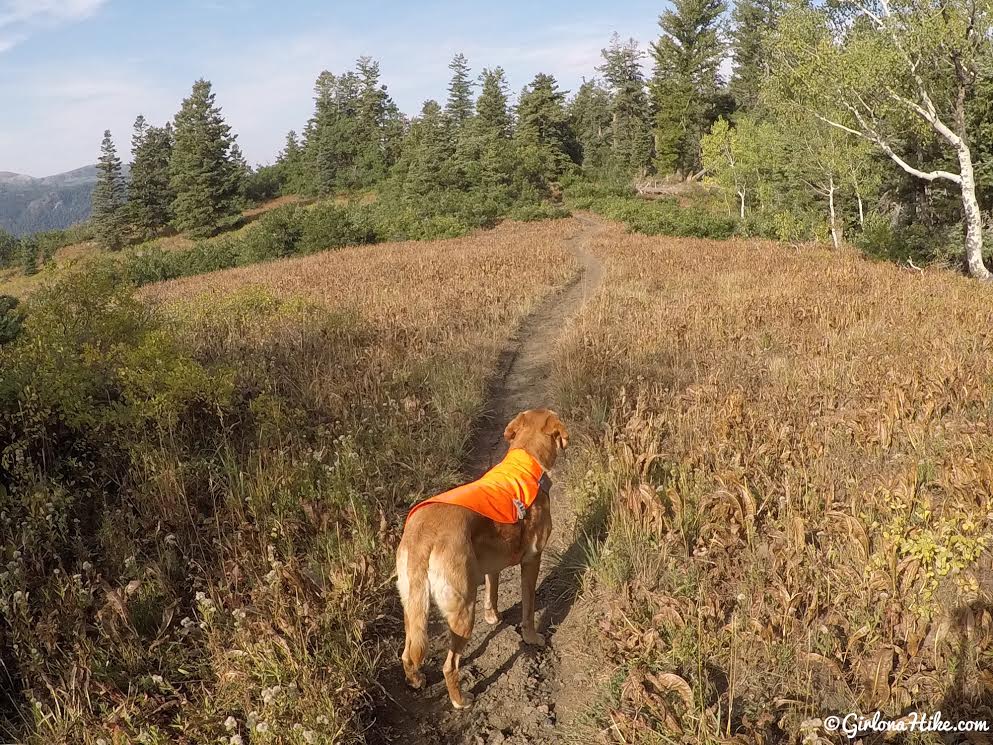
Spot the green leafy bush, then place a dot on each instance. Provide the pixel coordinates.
(263, 184)
(666, 217)
(130, 444)
(541, 211)
(329, 225)
(274, 236)
(582, 193)
(9, 247)
(882, 240)
(11, 318)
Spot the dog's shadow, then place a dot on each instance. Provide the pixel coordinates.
(557, 594)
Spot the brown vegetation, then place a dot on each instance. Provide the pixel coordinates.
(213, 568)
(793, 448)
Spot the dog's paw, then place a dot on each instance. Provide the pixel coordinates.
(416, 681)
(533, 639)
(491, 616)
(467, 701)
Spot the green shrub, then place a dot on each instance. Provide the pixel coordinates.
(581, 193)
(791, 228)
(666, 217)
(881, 239)
(11, 318)
(292, 230)
(542, 211)
(329, 225)
(407, 221)
(9, 247)
(274, 236)
(154, 264)
(262, 185)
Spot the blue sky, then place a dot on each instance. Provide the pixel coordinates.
(71, 68)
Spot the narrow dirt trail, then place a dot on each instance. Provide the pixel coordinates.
(522, 695)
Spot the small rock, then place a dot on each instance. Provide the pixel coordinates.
(550, 721)
(543, 709)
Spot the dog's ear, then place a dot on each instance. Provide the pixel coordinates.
(514, 427)
(556, 430)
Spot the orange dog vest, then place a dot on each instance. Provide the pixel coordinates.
(503, 493)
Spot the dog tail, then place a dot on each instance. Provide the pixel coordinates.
(412, 582)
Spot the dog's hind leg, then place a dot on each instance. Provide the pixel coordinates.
(453, 587)
(460, 625)
(529, 580)
(490, 611)
(412, 582)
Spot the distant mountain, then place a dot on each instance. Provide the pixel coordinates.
(30, 205)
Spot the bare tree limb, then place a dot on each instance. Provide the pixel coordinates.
(930, 117)
(879, 142)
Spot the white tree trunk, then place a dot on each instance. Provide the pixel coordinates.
(835, 228)
(742, 211)
(971, 216)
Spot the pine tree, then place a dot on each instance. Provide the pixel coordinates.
(241, 172)
(355, 134)
(485, 156)
(150, 195)
(590, 119)
(630, 130)
(138, 135)
(202, 174)
(543, 130)
(9, 246)
(291, 151)
(425, 168)
(332, 141)
(29, 255)
(459, 106)
(753, 23)
(292, 168)
(492, 109)
(380, 126)
(109, 218)
(685, 86)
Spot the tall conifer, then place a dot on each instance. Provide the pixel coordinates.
(109, 196)
(203, 175)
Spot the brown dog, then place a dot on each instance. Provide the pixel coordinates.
(447, 548)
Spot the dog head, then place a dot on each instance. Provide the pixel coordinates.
(540, 432)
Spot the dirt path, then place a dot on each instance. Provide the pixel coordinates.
(522, 695)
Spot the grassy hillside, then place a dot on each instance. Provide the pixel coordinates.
(791, 449)
(206, 486)
(283, 227)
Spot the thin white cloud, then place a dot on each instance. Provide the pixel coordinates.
(21, 18)
(265, 88)
(63, 113)
(9, 41)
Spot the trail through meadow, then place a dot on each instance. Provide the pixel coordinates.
(522, 695)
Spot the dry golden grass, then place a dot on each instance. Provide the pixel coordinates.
(460, 291)
(796, 449)
(266, 429)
